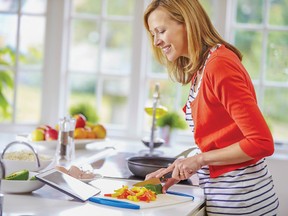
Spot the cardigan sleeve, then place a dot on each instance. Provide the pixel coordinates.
(232, 86)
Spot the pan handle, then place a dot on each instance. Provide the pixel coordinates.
(186, 152)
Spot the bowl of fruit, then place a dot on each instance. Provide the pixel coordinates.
(85, 132)
(22, 181)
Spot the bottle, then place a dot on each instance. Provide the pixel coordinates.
(65, 152)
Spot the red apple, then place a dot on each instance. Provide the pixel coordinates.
(51, 134)
(80, 120)
(44, 128)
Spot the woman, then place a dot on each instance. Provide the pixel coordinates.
(221, 110)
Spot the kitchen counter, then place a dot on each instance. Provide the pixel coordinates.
(49, 201)
(108, 159)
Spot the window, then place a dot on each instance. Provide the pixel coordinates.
(100, 53)
(21, 60)
(260, 31)
(96, 52)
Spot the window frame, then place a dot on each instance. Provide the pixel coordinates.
(56, 77)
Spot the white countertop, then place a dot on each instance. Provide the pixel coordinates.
(49, 201)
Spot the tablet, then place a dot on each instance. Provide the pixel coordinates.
(68, 184)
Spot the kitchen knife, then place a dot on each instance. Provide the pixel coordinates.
(115, 203)
(153, 181)
(156, 181)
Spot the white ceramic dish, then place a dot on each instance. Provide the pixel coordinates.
(79, 143)
(16, 165)
(21, 186)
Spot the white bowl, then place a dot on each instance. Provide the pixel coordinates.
(21, 186)
(16, 165)
(17, 161)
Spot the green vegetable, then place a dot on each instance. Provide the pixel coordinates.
(19, 175)
(156, 188)
(33, 178)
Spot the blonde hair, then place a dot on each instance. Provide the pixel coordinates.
(201, 36)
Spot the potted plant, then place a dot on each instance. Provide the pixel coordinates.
(168, 123)
(86, 109)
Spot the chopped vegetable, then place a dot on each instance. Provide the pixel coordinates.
(156, 188)
(135, 194)
(19, 175)
(33, 178)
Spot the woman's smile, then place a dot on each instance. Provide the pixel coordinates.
(166, 49)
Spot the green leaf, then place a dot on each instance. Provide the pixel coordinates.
(3, 101)
(5, 78)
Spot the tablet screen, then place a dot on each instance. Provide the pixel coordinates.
(68, 184)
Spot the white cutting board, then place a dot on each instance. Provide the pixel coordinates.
(109, 185)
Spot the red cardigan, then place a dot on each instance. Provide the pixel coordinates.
(225, 111)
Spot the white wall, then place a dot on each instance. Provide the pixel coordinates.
(278, 166)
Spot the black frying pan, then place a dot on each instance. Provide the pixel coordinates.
(143, 165)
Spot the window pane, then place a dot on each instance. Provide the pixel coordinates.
(120, 7)
(84, 51)
(9, 5)
(249, 43)
(275, 111)
(167, 98)
(34, 6)
(114, 107)
(156, 67)
(8, 39)
(87, 6)
(278, 12)
(250, 11)
(82, 89)
(207, 5)
(31, 41)
(185, 90)
(28, 102)
(116, 55)
(277, 62)
(167, 93)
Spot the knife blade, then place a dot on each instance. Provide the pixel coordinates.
(153, 181)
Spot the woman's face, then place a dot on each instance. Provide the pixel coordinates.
(169, 35)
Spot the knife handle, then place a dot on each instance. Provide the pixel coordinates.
(115, 203)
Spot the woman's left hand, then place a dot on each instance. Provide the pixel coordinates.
(181, 169)
(186, 167)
